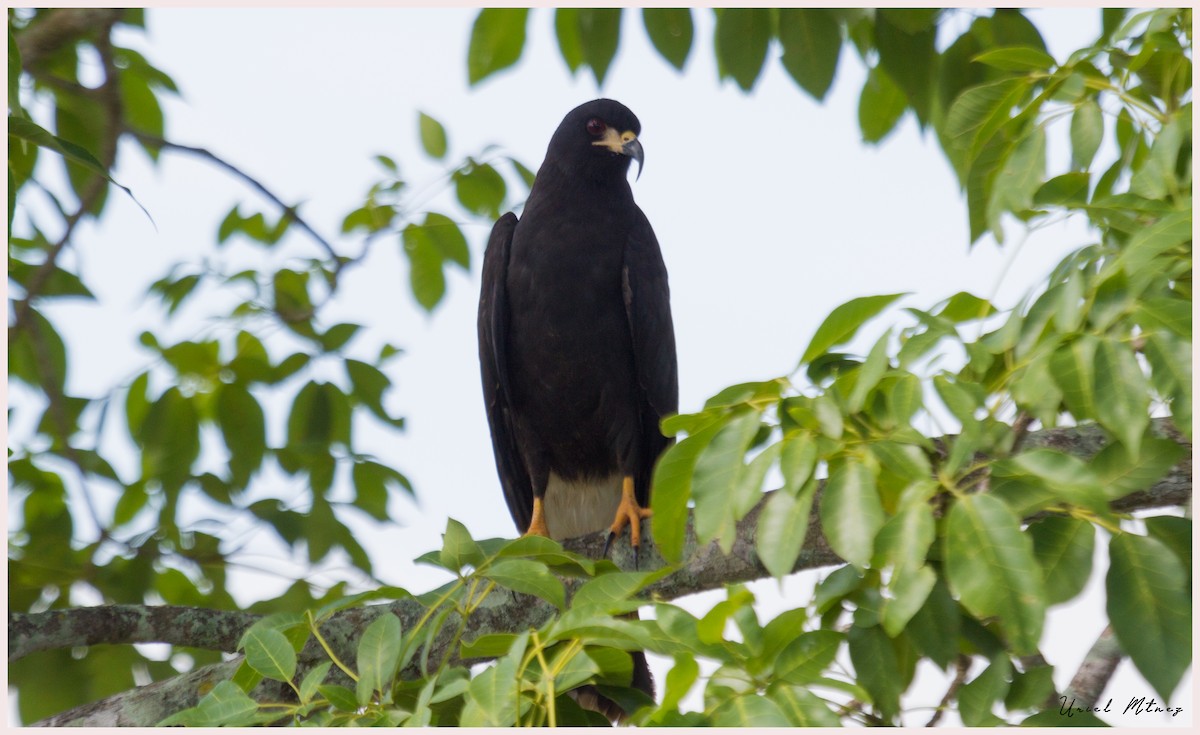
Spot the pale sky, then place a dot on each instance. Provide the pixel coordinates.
(769, 210)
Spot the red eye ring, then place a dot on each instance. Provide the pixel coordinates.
(596, 126)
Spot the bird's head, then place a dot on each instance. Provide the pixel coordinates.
(596, 138)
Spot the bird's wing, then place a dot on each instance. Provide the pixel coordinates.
(648, 309)
(493, 361)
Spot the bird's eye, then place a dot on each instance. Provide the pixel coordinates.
(596, 126)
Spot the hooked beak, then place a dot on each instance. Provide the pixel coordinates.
(633, 149)
(625, 143)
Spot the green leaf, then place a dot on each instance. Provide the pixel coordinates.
(368, 384)
(718, 469)
(1069, 478)
(851, 512)
(339, 696)
(1030, 688)
(528, 577)
(458, 548)
(243, 426)
(378, 656)
(881, 104)
(877, 668)
(226, 704)
(907, 52)
(269, 653)
(1020, 177)
(1175, 533)
(614, 587)
(480, 189)
(1156, 178)
(497, 39)
(492, 698)
(1122, 394)
(742, 38)
(292, 301)
(802, 707)
(1151, 241)
(448, 238)
(991, 566)
(566, 29)
(976, 114)
(1063, 547)
(1174, 314)
(1052, 718)
(673, 488)
(14, 76)
(934, 629)
(904, 540)
(373, 484)
(433, 136)
(1150, 609)
(312, 680)
(170, 438)
(1087, 132)
(141, 107)
(1067, 190)
(1017, 58)
(1119, 475)
(1171, 366)
(843, 323)
(1011, 28)
(1072, 367)
(804, 659)
(812, 41)
(599, 35)
(876, 364)
(908, 590)
(338, 335)
(25, 129)
(320, 416)
(425, 275)
(782, 528)
(977, 697)
(671, 32)
(749, 710)
(680, 679)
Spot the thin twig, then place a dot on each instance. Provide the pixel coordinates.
(288, 210)
(961, 666)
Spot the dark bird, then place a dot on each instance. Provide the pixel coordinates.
(576, 344)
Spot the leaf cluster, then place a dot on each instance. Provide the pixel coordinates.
(268, 387)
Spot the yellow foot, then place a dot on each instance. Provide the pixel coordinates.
(537, 525)
(631, 514)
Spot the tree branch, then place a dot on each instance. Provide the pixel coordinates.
(214, 630)
(1096, 670)
(288, 210)
(704, 568)
(62, 27)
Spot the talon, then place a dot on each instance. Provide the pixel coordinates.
(631, 514)
(537, 524)
(608, 544)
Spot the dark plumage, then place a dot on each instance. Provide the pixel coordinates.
(576, 344)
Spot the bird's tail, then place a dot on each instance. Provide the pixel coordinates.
(590, 698)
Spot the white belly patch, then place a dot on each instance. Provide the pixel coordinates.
(577, 508)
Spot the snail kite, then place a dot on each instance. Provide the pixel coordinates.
(576, 344)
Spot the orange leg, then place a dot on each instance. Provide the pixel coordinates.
(631, 514)
(537, 525)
